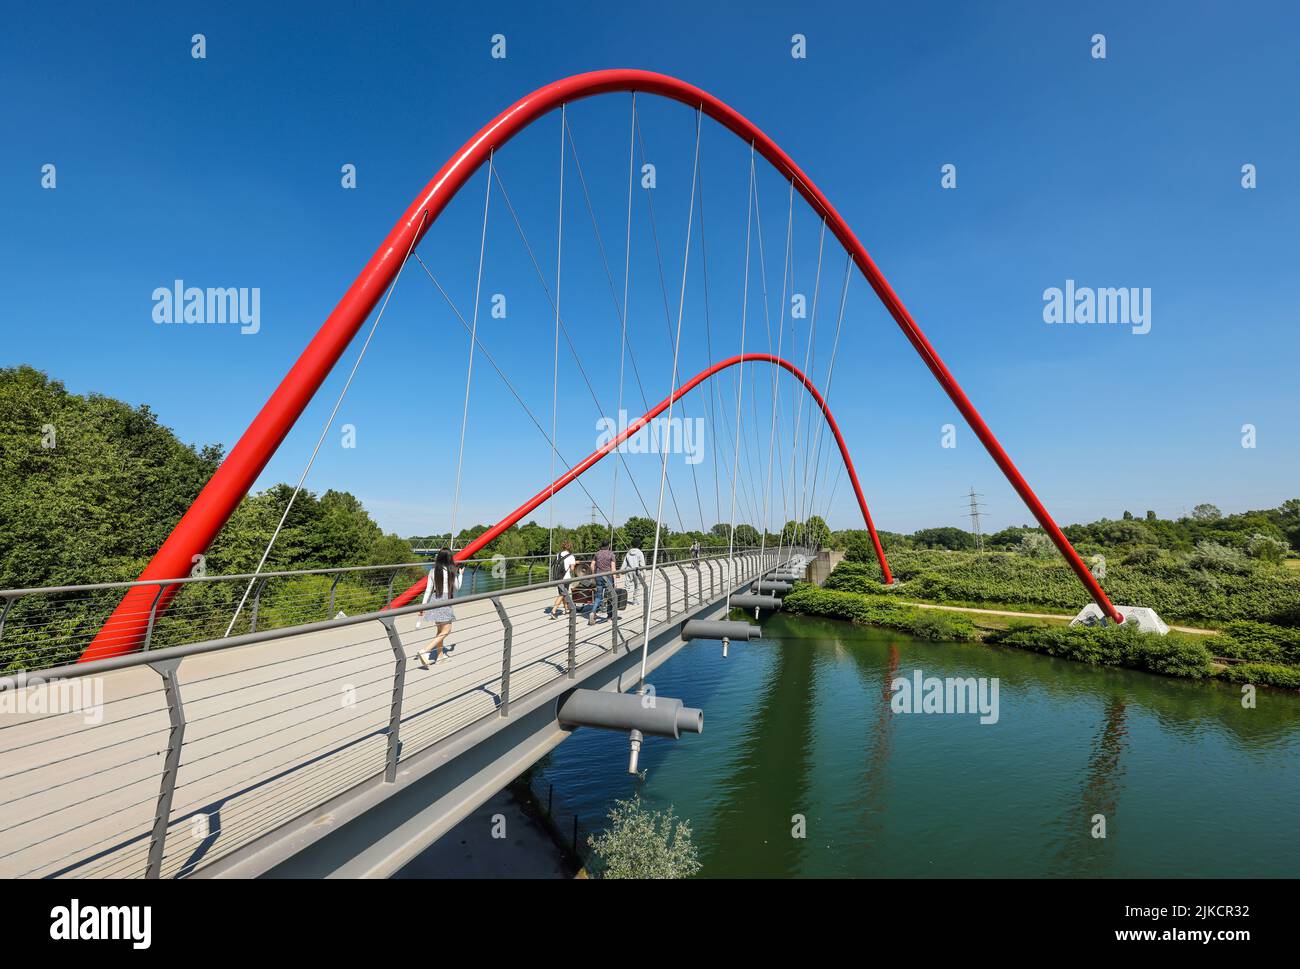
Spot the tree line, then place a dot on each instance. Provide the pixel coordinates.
(1269, 534)
(91, 486)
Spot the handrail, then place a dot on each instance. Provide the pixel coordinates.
(391, 720)
(292, 573)
(146, 657)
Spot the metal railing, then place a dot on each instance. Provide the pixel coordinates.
(49, 626)
(268, 724)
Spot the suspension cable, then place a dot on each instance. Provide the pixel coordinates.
(663, 472)
(555, 367)
(708, 346)
(609, 278)
(744, 316)
(830, 372)
(627, 272)
(663, 288)
(473, 341)
(798, 421)
(780, 333)
(573, 350)
(328, 423)
(487, 355)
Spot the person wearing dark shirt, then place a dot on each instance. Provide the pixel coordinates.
(605, 576)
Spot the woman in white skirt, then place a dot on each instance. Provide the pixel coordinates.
(444, 580)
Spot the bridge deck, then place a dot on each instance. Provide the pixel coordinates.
(272, 730)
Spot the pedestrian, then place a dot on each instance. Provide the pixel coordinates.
(444, 579)
(561, 568)
(633, 559)
(606, 574)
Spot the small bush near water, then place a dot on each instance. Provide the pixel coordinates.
(640, 843)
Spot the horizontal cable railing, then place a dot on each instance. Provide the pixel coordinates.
(142, 764)
(45, 627)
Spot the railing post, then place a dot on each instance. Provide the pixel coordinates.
(395, 708)
(153, 615)
(391, 579)
(668, 600)
(5, 615)
(686, 586)
(171, 763)
(573, 630)
(505, 655)
(257, 602)
(329, 610)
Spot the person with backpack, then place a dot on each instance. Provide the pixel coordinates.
(633, 559)
(443, 582)
(562, 564)
(606, 573)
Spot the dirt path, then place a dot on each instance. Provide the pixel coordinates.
(1034, 615)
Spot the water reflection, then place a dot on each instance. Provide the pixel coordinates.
(1190, 782)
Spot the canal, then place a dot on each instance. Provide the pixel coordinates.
(1190, 783)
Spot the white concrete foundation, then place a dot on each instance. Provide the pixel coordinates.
(1145, 619)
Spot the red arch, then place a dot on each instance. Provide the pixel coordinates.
(579, 469)
(232, 480)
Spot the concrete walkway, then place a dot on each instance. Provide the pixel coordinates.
(272, 731)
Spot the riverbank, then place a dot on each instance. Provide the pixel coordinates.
(1244, 652)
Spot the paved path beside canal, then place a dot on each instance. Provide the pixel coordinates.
(1035, 615)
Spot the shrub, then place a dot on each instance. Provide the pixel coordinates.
(1263, 674)
(1143, 555)
(1036, 545)
(640, 843)
(1218, 558)
(1258, 641)
(878, 610)
(1172, 655)
(1266, 548)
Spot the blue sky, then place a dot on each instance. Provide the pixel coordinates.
(1123, 172)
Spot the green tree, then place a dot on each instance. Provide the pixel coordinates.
(640, 532)
(946, 537)
(816, 533)
(89, 486)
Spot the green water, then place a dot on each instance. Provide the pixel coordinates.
(1190, 782)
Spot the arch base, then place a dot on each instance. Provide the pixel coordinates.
(1145, 619)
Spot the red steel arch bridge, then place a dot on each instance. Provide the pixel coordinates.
(228, 751)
